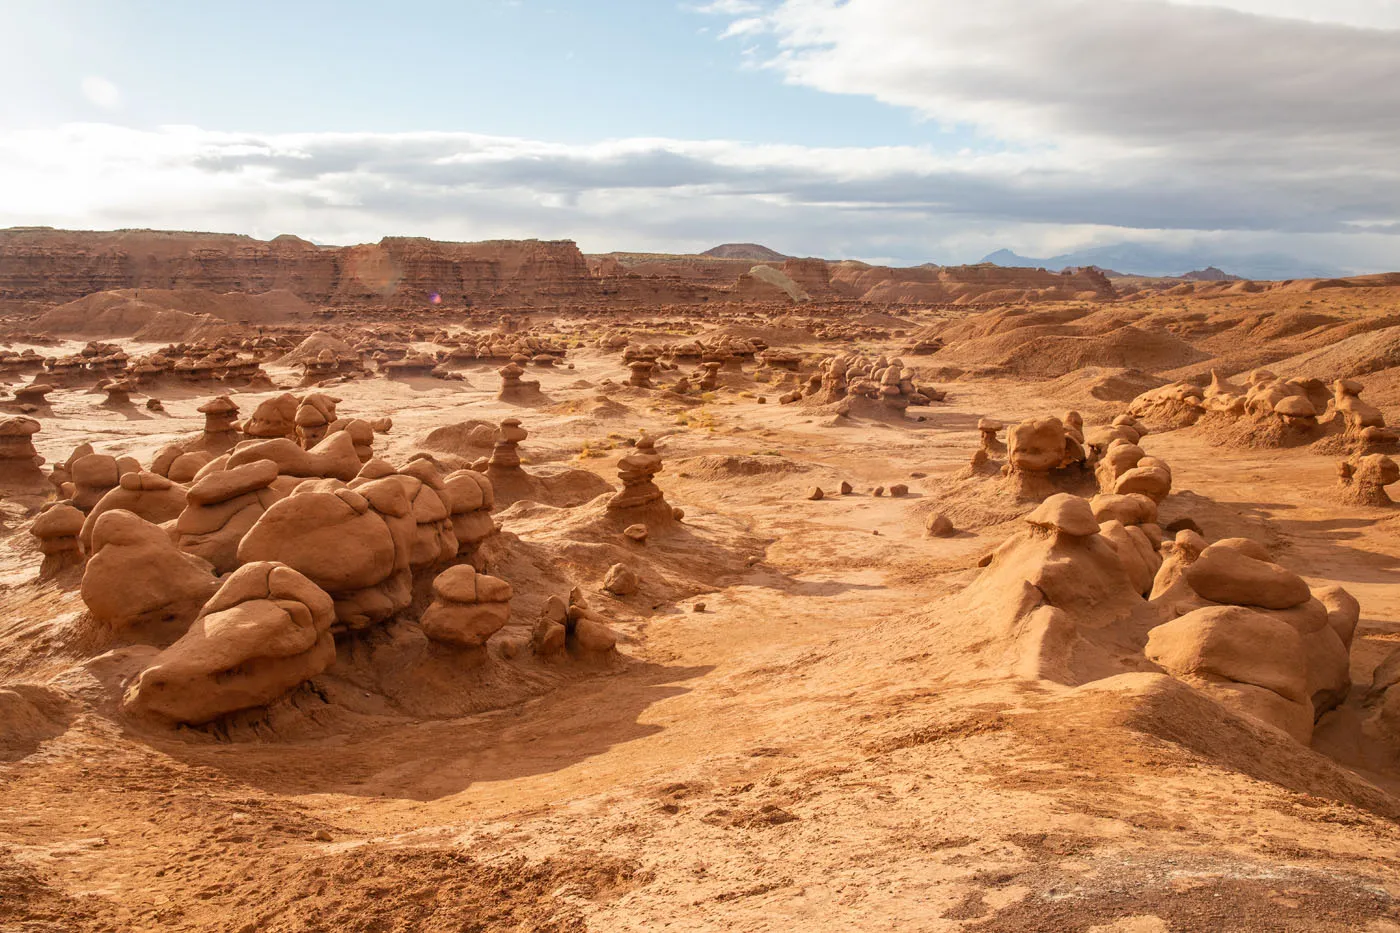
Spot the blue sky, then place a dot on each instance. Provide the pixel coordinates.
(886, 130)
(565, 71)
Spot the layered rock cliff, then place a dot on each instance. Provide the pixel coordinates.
(39, 263)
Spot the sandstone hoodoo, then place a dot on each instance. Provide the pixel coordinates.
(264, 632)
(343, 541)
(1362, 481)
(57, 529)
(514, 388)
(640, 501)
(274, 417)
(220, 423)
(19, 460)
(467, 608)
(137, 584)
(221, 507)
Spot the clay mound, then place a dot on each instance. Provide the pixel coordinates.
(881, 319)
(734, 466)
(1095, 383)
(170, 314)
(471, 438)
(311, 347)
(778, 334)
(117, 314)
(600, 407)
(1054, 356)
(1248, 433)
(1358, 355)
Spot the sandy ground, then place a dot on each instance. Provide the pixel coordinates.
(797, 756)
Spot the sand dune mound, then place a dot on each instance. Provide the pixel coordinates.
(1051, 356)
(1102, 384)
(170, 314)
(1359, 355)
(737, 466)
(310, 348)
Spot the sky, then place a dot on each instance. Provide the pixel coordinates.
(900, 131)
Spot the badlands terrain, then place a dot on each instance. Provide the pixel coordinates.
(497, 587)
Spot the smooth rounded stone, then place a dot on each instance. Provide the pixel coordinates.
(1067, 513)
(1119, 458)
(468, 607)
(467, 491)
(136, 577)
(1242, 648)
(333, 457)
(846, 488)
(93, 476)
(878, 491)
(361, 435)
(436, 538)
(1246, 546)
(592, 637)
(1132, 509)
(1140, 559)
(235, 481)
(334, 539)
(588, 632)
(223, 506)
(637, 532)
(1343, 611)
(899, 489)
(264, 632)
(1295, 406)
(160, 463)
(59, 521)
(1152, 482)
(1036, 445)
(187, 467)
(1226, 575)
(359, 609)
(621, 580)
(939, 525)
(151, 497)
(57, 528)
(375, 468)
(816, 494)
(274, 417)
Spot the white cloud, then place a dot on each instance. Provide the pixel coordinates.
(747, 26)
(1370, 14)
(101, 93)
(902, 203)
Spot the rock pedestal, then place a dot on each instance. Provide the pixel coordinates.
(19, 461)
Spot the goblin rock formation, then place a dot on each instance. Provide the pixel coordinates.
(265, 631)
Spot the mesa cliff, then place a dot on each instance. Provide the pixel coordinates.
(38, 263)
(44, 265)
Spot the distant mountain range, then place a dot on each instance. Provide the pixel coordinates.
(1142, 259)
(752, 251)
